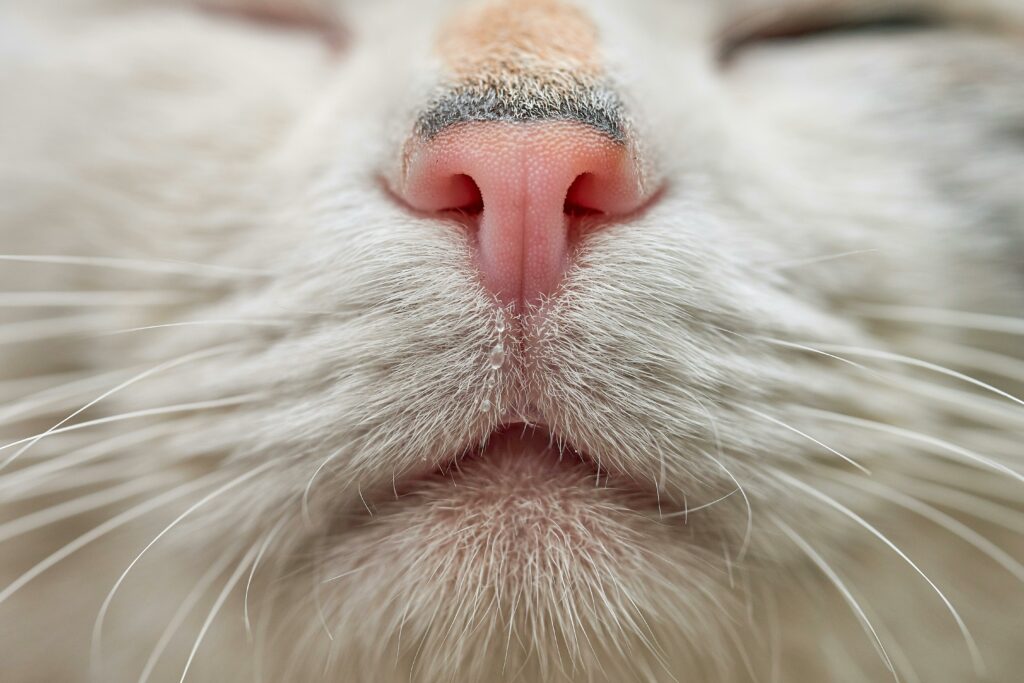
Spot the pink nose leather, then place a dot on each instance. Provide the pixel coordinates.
(528, 181)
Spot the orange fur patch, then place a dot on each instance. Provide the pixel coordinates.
(508, 37)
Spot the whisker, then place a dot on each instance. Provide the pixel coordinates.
(941, 519)
(782, 424)
(76, 506)
(75, 299)
(309, 485)
(89, 476)
(350, 572)
(983, 322)
(187, 605)
(980, 508)
(916, 436)
(812, 260)
(168, 365)
(142, 265)
(41, 329)
(230, 401)
(252, 572)
(100, 617)
(226, 322)
(318, 602)
(746, 501)
(972, 646)
(917, 362)
(22, 478)
(805, 347)
(990, 411)
(956, 474)
(728, 565)
(48, 395)
(23, 386)
(228, 587)
(837, 581)
(690, 510)
(106, 527)
(899, 657)
(750, 511)
(996, 364)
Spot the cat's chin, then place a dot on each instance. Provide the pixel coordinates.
(522, 537)
(522, 499)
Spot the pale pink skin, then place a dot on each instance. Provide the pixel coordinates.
(524, 175)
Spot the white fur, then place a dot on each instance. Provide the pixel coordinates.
(831, 282)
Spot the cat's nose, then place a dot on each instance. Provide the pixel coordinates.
(530, 186)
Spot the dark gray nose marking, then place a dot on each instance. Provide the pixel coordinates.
(554, 97)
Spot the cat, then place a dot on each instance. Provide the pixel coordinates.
(511, 340)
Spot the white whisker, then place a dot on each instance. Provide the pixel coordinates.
(309, 485)
(990, 411)
(750, 511)
(837, 581)
(85, 477)
(943, 317)
(916, 362)
(972, 646)
(970, 504)
(807, 347)
(746, 501)
(941, 519)
(252, 572)
(75, 299)
(105, 528)
(997, 364)
(40, 329)
(320, 610)
(228, 402)
(342, 575)
(186, 607)
(142, 265)
(218, 603)
(168, 365)
(98, 625)
(49, 394)
(77, 506)
(806, 436)
(225, 322)
(943, 446)
(812, 260)
(690, 510)
(21, 480)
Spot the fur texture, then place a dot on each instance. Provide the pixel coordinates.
(235, 371)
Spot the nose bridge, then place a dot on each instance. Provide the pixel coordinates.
(522, 60)
(502, 37)
(524, 136)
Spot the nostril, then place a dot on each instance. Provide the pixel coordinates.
(464, 196)
(578, 202)
(457, 194)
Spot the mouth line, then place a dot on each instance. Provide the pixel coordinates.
(559, 448)
(533, 441)
(524, 460)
